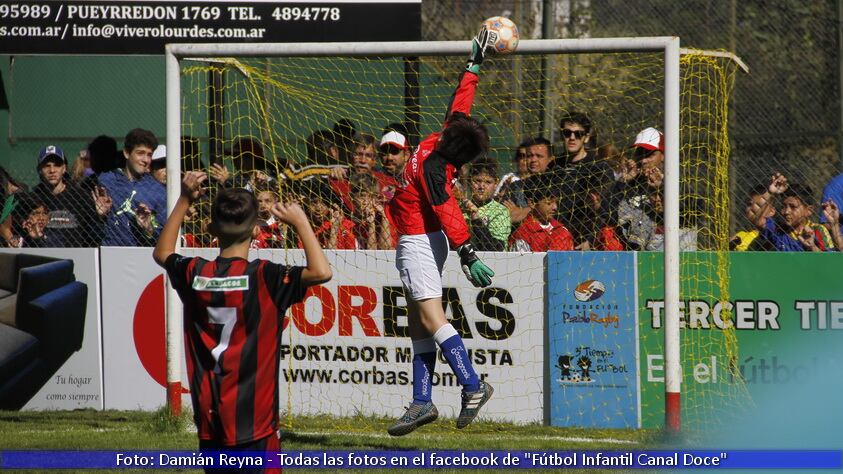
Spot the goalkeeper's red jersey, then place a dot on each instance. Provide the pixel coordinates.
(233, 311)
(424, 201)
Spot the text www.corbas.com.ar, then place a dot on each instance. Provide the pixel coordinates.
(372, 375)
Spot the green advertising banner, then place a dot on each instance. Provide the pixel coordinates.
(756, 334)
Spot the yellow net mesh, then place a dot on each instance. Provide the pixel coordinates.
(276, 124)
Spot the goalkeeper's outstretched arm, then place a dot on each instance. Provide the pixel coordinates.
(463, 97)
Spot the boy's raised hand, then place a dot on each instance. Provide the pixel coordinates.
(778, 184)
(289, 213)
(191, 185)
(831, 212)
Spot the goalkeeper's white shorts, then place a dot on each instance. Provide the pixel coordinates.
(420, 260)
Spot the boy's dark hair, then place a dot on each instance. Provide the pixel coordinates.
(234, 214)
(578, 118)
(104, 154)
(315, 188)
(540, 186)
(365, 140)
(523, 144)
(800, 191)
(247, 155)
(137, 137)
(463, 140)
(26, 203)
(540, 140)
(363, 183)
(319, 145)
(484, 165)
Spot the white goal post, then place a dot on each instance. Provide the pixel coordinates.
(669, 46)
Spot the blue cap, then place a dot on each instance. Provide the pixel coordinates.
(51, 150)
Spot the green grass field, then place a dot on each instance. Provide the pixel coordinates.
(135, 430)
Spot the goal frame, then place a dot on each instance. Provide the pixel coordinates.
(668, 45)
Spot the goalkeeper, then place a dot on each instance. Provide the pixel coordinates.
(428, 218)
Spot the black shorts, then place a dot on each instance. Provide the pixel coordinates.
(270, 443)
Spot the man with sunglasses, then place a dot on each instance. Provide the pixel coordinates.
(394, 151)
(583, 179)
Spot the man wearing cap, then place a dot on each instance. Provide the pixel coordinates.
(159, 164)
(583, 179)
(394, 150)
(140, 202)
(72, 217)
(638, 198)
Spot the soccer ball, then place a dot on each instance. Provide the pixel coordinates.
(503, 34)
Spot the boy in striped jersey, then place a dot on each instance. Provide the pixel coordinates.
(233, 312)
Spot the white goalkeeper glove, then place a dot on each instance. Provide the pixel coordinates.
(478, 50)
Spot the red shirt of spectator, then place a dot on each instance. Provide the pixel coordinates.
(346, 239)
(607, 239)
(541, 237)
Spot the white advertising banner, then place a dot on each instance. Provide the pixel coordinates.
(134, 343)
(79, 382)
(346, 349)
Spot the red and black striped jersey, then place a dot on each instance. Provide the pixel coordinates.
(424, 200)
(233, 315)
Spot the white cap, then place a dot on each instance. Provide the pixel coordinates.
(160, 153)
(649, 139)
(394, 138)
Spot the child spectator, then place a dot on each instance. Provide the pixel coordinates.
(793, 231)
(270, 234)
(490, 224)
(140, 202)
(195, 226)
(540, 232)
(748, 239)
(325, 209)
(30, 219)
(9, 189)
(233, 310)
(373, 229)
(831, 214)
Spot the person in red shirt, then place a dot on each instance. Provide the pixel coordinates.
(373, 228)
(270, 234)
(428, 218)
(540, 232)
(233, 310)
(327, 210)
(364, 161)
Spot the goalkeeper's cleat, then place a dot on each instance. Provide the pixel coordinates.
(472, 402)
(415, 416)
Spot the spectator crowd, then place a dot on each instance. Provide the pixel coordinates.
(582, 197)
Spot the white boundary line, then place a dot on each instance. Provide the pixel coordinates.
(570, 439)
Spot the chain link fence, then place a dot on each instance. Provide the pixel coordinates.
(784, 114)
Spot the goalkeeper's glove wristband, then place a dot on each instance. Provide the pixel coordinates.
(476, 271)
(478, 50)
